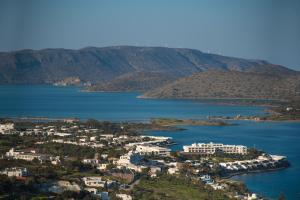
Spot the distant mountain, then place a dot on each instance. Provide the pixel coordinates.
(231, 84)
(102, 65)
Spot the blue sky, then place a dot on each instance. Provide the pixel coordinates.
(255, 29)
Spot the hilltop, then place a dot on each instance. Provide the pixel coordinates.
(231, 85)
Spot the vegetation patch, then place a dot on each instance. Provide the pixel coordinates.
(171, 187)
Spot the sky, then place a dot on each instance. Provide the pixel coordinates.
(254, 29)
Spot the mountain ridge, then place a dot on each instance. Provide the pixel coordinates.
(104, 64)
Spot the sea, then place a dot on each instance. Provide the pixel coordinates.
(281, 138)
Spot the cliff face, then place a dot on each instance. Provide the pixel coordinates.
(99, 65)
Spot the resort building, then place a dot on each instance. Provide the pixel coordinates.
(67, 185)
(173, 170)
(102, 166)
(62, 134)
(131, 160)
(29, 156)
(94, 181)
(212, 148)
(124, 196)
(93, 191)
(15, 171)
(152, 150)
(90, 161)
(6, 128)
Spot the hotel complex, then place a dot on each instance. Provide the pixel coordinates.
(152, 150)
(212, 148)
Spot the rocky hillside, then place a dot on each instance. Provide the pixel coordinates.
(231, 84)
(136, 81)
(99, 65)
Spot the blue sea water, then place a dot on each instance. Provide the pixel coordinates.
(59, 102)
(275, 137)
(281, 138)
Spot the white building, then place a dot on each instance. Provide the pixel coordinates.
(265, 161)
(93, 191)
(107, 136)
(6, 128)
(62, 134)
(212, 148)
(90, 161)
(131, 160)
(173, 170)
(94, 181)
(15, 171)
(26, 156)
(102, 166)
(147, 149)
(67, 185)
(124, 196)
(154, 170)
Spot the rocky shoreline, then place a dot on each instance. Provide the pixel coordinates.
(228, 176)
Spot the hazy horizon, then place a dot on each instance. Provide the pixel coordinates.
(265, 30)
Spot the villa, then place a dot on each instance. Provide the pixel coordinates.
(131, 160)
(29, 156)
(152, 150)
(6, 128)
(67, 185)
(94, 181)
(15, 172)
(124, 196)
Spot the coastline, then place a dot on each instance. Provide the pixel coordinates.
(216, 99)
(269, 104)
(250, 172)
(253, 172)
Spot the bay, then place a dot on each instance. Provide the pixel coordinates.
(60, 102)
(281, 138)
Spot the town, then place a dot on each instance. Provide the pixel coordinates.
(105, 160)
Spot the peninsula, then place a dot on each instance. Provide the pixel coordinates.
(96, 159)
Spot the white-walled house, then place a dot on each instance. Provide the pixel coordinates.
(124, 196)
(6, 128)
(26, 156)
(15, 172)
(67, 185)
(148, 149)
(102, 166)
(90, 161)
(131, 160)
(94, 181)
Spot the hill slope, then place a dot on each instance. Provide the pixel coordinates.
(99, 65)
(136, 81)
(231, 84)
